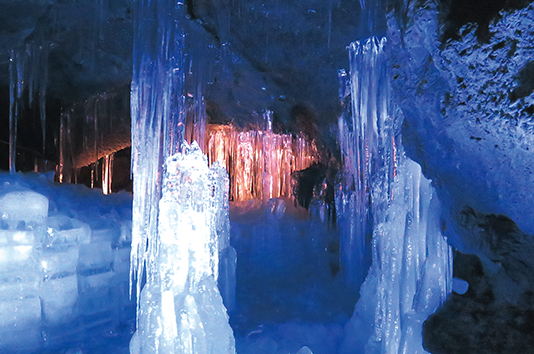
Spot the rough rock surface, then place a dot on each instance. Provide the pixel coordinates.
(467, 96)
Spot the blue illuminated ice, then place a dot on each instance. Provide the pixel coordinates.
(181, 309)
(384, 195)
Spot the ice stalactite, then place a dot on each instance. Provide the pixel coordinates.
(28, 77)
(180, 213)
(84, 127)
(158, 121)
(260, 163)
(107, 173)
(367, 142)
(385, 195)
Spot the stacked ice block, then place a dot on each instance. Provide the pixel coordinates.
(23, 220)
(61, 280)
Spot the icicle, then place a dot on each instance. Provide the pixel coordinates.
(260, 163)
(107, 173)
(384, 194)
(17, 83)
(61, 169)
(366, 146)
(13, 111)
(43, 83)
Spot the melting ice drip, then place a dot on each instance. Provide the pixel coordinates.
(181, 309)
(260, 163)
(386, 193)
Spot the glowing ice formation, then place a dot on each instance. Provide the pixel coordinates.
(260, 162)
(180, 215)
(181, 309)
(411, 271)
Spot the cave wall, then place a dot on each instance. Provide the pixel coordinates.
(464, 85)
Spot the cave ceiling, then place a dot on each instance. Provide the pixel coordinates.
(280, 56)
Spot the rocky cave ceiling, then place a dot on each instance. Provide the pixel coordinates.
(277, 55)
(281, 56)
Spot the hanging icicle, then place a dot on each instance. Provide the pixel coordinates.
(28, 77)
(384, 195)
(260, 162)
(107, 174)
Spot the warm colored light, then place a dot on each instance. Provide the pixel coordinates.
(260, 163)
(107, 173)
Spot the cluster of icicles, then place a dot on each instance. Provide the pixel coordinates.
(259, 162)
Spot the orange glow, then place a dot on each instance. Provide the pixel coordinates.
(259, 163)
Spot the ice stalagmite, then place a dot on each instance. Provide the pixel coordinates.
(411, 270)
(181, 309)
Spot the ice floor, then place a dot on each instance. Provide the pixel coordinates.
(288, 294)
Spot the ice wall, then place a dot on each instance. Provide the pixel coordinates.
(181, 309)
(64, 261)
(384, 195)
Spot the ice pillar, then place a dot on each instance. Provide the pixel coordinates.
(389, 199)
(367, 141)
(180, 213)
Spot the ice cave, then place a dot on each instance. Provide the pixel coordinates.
(266, 177)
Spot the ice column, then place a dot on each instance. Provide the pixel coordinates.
(157, 110)
(181, 309)
(367, 142)
(180, 214)
(411, 271)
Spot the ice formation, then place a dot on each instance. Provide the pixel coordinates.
(64, 260)
(180, 214)
(181, 309)
(28, 81)
(411, 271)
(259, 162)
(367, 143)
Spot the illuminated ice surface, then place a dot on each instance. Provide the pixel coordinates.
(289, 297)
(64, 260)
(181, 309)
